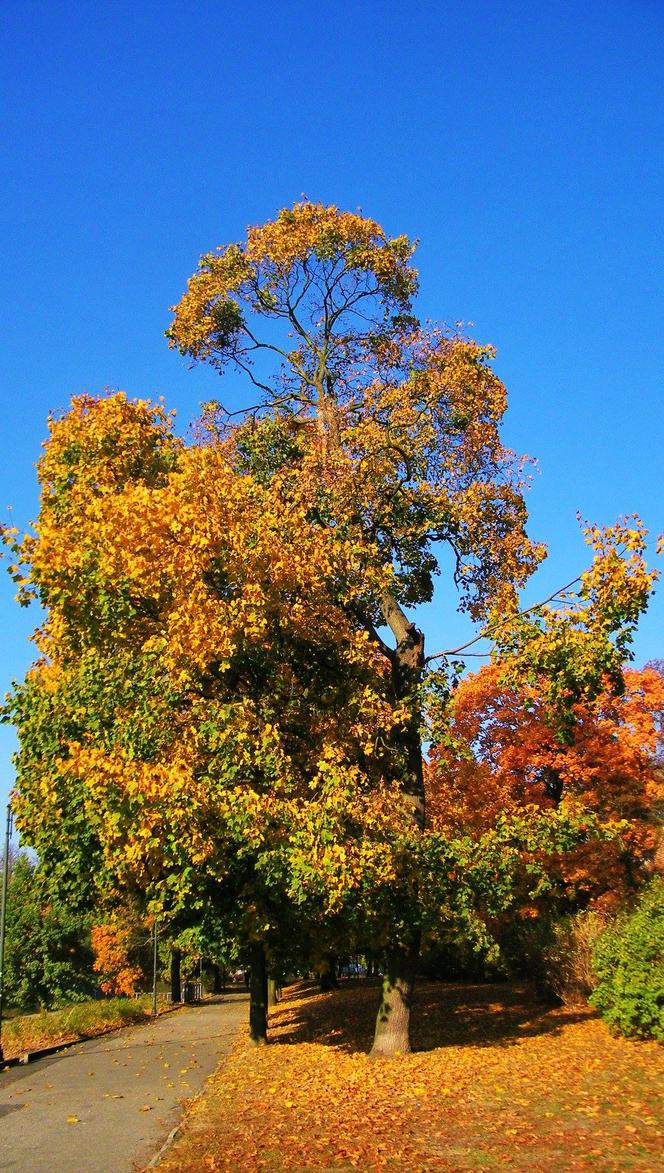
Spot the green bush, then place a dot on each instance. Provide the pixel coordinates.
(628, 960)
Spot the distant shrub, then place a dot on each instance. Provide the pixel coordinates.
(523, 945)
(455, 960)
(628, 960)
(568, 959)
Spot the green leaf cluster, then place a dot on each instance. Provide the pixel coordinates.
(47, 948)
(629, 964)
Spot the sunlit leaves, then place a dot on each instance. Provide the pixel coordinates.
(501, 757)
(223, 709)
(351, 250)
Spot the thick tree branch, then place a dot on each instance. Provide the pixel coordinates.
(368, 626)
(395, 618)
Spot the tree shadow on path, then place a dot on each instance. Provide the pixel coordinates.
(444, 1015)
(5, 1109)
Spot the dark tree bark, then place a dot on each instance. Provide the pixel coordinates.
(407, 669)
(176, 979)
(257, 994)
(553, 785)
(327, 978)
(218, 982)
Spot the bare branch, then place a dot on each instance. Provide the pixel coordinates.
(258, 345)
(256, 382)
(486, 634)
(272, 402)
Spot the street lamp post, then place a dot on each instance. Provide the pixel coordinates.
(3, 915)
(154, 969)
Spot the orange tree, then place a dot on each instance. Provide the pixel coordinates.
(116, 944)
(387, 434)
(503, 753)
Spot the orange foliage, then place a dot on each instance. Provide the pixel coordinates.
(503, 755)
(112, 943)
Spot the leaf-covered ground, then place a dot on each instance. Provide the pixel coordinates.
(498, 1080)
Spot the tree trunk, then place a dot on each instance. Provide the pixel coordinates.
(327, 978)
(272, 991)
(393, 1023)
(217, 980)
(257, 994)
(392, 1035)
(407, 669)
(176, 980)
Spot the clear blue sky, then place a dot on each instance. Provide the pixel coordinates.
(523, 143)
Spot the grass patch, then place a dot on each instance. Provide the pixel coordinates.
(499, 1080)
(82, 1020)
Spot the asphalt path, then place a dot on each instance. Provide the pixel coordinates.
(107, 1105)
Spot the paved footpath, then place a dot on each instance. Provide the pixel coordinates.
(106, 1106)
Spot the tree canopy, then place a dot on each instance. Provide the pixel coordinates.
(232, 697)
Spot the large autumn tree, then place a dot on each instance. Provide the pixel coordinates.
(231, 677)
(193, 728)
(388, 431)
